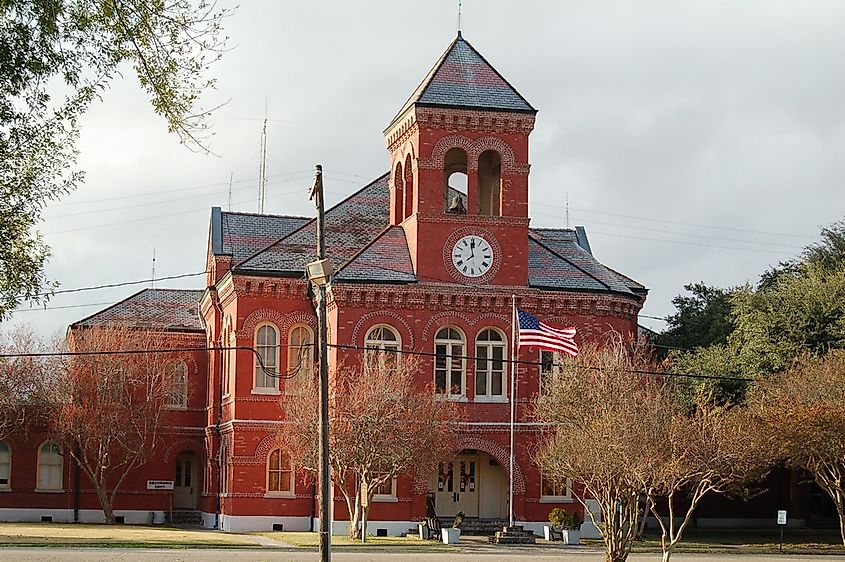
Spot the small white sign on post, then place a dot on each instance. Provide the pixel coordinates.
(159, 484)
(781, 517)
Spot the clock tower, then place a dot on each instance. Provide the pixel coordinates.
(459, 173)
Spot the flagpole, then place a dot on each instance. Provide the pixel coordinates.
(514, 347)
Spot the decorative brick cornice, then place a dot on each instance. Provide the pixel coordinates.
(481, 220)
(272, 287)
(476, 120)
(493, 298)
(401, 131)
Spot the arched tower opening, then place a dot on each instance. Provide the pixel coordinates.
(397, 209)
(490, 183)
(455, 181)
(409, 188)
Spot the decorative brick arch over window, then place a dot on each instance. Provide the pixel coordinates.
(262, 450)
(180, 447)
(383, 317)
(256, 317)
(473, 148)
(499, 453)
(497, 145)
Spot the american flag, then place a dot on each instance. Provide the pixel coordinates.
(534, 333)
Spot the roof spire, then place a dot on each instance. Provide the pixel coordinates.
(459, 18)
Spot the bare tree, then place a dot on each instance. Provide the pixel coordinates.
(113, 404)
(25, 381)
(803, 410)
(383, 424)
(712, 450)
(597, 403)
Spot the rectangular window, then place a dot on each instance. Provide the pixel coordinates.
(5, 465)
(549, 366)
(385, 491)
(552, 489)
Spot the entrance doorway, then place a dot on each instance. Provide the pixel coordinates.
(473, 482)
(185, 485)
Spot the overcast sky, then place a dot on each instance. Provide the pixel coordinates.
(697, 141)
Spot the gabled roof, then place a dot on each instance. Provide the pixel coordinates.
(241, 235)
(462, 78)
(349, 226)
(386, 260)
(557, 259)
(166, 309)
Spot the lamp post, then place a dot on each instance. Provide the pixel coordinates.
(319, 273)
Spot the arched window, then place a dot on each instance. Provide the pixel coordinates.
(398, 211)
(409, 188)
(279, 473)
(489, 183)
(381, 347)
(267, 346)
(5, 466)
(490, 354)
(228, 357)
(176, 379)
(455, 182)
(449, 362)
(50, 462)
(300, 358)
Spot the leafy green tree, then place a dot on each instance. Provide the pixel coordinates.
(703, 318)
(56, 58)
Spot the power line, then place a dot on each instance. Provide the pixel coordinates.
(121, 284)
(45, 308)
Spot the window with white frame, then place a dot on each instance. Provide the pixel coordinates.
(449, 362)
(555, 489)
(490, 353)
(386, 490)
(228, 357)
(5, 466)
(550, 365)
(50, 463)
(300, 358)
(279, 473)
(267, 346)
(381, 347)
(176, 379)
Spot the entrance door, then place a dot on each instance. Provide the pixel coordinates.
(457, 487)
(185, 482)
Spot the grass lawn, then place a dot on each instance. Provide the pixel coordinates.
(128, 536)
(343, 543)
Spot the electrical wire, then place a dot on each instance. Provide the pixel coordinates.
(296, 370)
(120, 284)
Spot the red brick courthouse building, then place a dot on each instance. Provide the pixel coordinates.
(426, 259)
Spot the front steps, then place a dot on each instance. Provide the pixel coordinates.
(513, 535)
(184, 518)
(473, 526)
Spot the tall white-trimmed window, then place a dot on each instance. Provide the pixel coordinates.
(449, 362)
(5, 466)
(267, 346)
(555, 489)
(382, 345)
(386, 490)
(550, 365)
(228, 357)
(279, 473)
(176, 379)
(50, 463)
(300, 358)
(490, 353)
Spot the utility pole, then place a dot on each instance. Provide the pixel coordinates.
(320, 283)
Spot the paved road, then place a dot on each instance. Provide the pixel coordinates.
(47, 554)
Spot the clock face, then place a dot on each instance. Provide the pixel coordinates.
(472, 256)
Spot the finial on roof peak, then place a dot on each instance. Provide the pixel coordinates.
(459, 19)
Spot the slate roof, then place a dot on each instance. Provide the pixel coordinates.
(170, 309)
(349, 226)
(366, 249)
(463, 78)
(386, 260)
(241, 235)
(556, 260)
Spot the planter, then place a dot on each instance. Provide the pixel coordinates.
(450, 535)
(571, 537)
